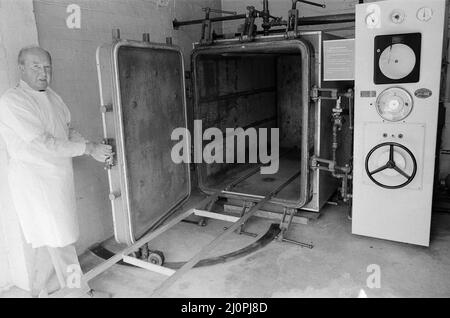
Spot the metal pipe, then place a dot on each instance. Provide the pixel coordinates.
(327, 19)
(335, 144)
(177, 24)
(307, 2)
(314, 20)
(266, 17)
(219, 11)
(266, 6)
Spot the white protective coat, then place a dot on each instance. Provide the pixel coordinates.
(40, 144)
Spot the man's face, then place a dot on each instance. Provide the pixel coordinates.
(36, 70)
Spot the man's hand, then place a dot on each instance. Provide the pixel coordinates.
(99, 152)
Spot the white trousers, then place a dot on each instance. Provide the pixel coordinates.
(56, 268)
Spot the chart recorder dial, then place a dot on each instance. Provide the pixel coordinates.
(397, 58)
(397, 61)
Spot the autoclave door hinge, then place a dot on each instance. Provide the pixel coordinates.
(324, 93)
(189, 104)
(188, 85)
(111, 161)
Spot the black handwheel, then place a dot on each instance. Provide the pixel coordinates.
(391, 165)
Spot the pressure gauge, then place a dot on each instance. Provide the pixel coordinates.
(424, 14)
(372, 20)
(397, 61)
(398, 16)
(394, 104)
(373, 17)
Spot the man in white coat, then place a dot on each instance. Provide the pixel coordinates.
(35, 125)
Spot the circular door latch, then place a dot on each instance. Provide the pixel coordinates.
(392, 165)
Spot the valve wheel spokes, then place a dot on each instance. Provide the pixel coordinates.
(379, 170)
(403, 173)
(391, 165)
(391, 154)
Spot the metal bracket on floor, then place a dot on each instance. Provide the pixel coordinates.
(285, 226)
(203, 220)
(246, 207)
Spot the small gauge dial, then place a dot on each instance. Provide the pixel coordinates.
(424, 14)
(372, 20)
(398, 16)
(394, 104)
(373, 16)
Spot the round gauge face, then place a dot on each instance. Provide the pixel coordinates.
(397, 61)
(398, 16)
(424, 14)
(372, 20)
(394, 104)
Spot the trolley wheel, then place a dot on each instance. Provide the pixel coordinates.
(156, 258)
(202, 222)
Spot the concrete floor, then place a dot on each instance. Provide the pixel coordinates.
(336, 267)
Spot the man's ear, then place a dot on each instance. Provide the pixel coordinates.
(21, 68)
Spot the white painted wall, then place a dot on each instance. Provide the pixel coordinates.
(17, 29)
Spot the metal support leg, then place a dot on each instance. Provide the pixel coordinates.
(247, 207)
(284, 228)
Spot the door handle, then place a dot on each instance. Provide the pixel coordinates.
(110, 162)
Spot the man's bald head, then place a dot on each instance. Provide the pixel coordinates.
(35, 65)
(32, 50)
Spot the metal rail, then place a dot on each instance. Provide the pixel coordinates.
(236, 95)
(212, 245)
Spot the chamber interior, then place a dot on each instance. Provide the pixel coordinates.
(257, 89)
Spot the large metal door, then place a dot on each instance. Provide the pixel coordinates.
(143, 100)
